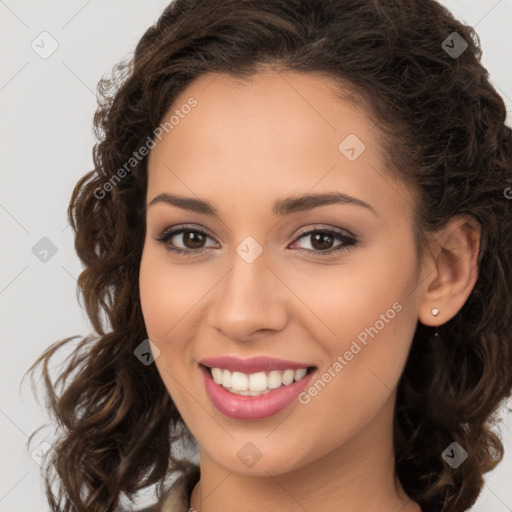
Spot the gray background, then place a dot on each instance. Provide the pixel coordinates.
(47, 106)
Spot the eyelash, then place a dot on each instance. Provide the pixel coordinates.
(348, 241)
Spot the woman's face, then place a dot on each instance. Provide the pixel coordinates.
(259, 284)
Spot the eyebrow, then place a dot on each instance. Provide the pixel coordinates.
(284, 206)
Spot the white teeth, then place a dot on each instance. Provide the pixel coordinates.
(255, 383)
(251, 393)
(300, 373)
(288, 377)
(240, 381)
(217, 375)
(274, 379)
(226, 378)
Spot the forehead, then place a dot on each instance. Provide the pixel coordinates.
(269, 106)
(279, 131)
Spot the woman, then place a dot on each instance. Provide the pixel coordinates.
(299, 227)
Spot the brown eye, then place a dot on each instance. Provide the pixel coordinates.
(192, 240)
(321, 241)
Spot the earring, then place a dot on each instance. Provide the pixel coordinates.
(435, 312)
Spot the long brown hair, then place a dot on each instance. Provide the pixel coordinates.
(442, 125)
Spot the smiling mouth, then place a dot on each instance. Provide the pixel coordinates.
(258, 383)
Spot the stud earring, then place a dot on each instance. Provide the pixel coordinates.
(435, 312)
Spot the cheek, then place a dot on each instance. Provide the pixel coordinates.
(162, 306)
(152, 299)
(344, 299)
(167, 292)
(364, 312)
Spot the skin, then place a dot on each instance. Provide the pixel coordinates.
(243, 146)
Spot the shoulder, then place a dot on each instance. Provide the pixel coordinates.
(177, 498)
(153, 508)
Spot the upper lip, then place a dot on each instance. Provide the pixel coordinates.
(252, 364)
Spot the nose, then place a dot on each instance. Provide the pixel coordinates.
(249, 299)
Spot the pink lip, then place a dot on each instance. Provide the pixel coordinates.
(252, 364)
(246, 407)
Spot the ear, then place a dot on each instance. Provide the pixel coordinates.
(453, 270)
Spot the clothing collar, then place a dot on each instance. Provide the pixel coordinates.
(177, 498)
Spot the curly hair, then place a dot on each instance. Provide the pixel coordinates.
(442, 125)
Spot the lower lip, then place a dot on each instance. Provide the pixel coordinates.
(246, 407)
